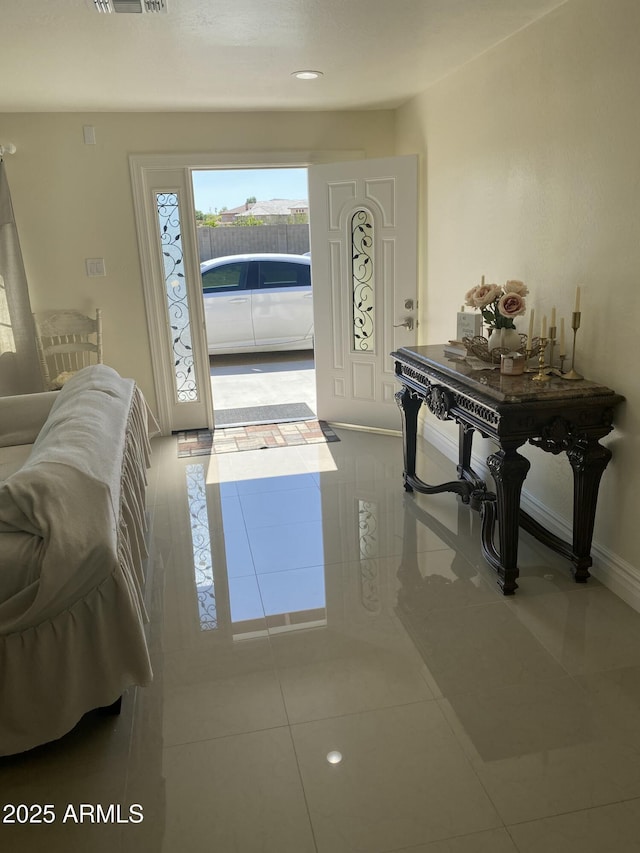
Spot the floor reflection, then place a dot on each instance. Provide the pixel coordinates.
(266, 545)
(201, 542)
(464, 662)
(370, 627)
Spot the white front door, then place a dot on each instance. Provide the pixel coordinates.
(364, 275)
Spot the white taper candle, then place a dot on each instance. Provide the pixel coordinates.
(530, 335)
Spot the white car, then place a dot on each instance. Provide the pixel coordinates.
(257, 302)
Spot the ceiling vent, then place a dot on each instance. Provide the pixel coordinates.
(130, 7)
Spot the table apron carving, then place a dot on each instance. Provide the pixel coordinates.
(511, 411)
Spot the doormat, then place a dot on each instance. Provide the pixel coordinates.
(254, 415)
(202, 442)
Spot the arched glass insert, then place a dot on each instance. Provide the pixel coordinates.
(363, 282)
(176, 295)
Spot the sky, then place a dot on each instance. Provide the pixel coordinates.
(217, 188)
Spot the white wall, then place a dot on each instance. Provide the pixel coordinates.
(73, 201)
(531, 170)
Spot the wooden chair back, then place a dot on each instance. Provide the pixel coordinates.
(67, 341)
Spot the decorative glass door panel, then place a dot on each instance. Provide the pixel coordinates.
(177, 297)
(363, 281)
(172, 284)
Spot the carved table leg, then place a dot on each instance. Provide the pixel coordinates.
(509, 470)
(465, 441)
(588, 459)
(478, 487)
(409, 404)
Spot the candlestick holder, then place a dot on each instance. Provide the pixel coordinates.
(575, 325)
(552, 343)
(541, 375)
(534, 348)
(529, 353)
(559, 371)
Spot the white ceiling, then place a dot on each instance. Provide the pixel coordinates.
(60, 55)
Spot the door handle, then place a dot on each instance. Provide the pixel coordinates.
(407, 324)
(239, 299)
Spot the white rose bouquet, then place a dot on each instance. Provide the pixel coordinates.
(498, 304)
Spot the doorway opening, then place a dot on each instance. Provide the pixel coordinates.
(253, 242)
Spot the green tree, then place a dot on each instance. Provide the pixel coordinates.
(211, 219)
(248, 220)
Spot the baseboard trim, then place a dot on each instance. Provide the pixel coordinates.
(611, 570)
(357, 427)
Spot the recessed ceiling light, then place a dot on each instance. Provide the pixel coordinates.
(307, 75)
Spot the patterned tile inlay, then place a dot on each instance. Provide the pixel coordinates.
(202, 442)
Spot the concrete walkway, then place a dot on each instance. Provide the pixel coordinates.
(263, 379)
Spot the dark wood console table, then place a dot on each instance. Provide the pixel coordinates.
(558, 416)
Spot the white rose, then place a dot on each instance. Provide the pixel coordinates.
(515, 286)
(485, 294)
(511, 305)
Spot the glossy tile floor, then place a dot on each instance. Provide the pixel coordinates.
(336, 672)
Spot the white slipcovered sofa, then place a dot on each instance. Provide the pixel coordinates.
(72, 523)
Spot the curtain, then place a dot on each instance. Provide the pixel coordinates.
(19, 365)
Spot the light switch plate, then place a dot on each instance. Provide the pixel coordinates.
(95, 266)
